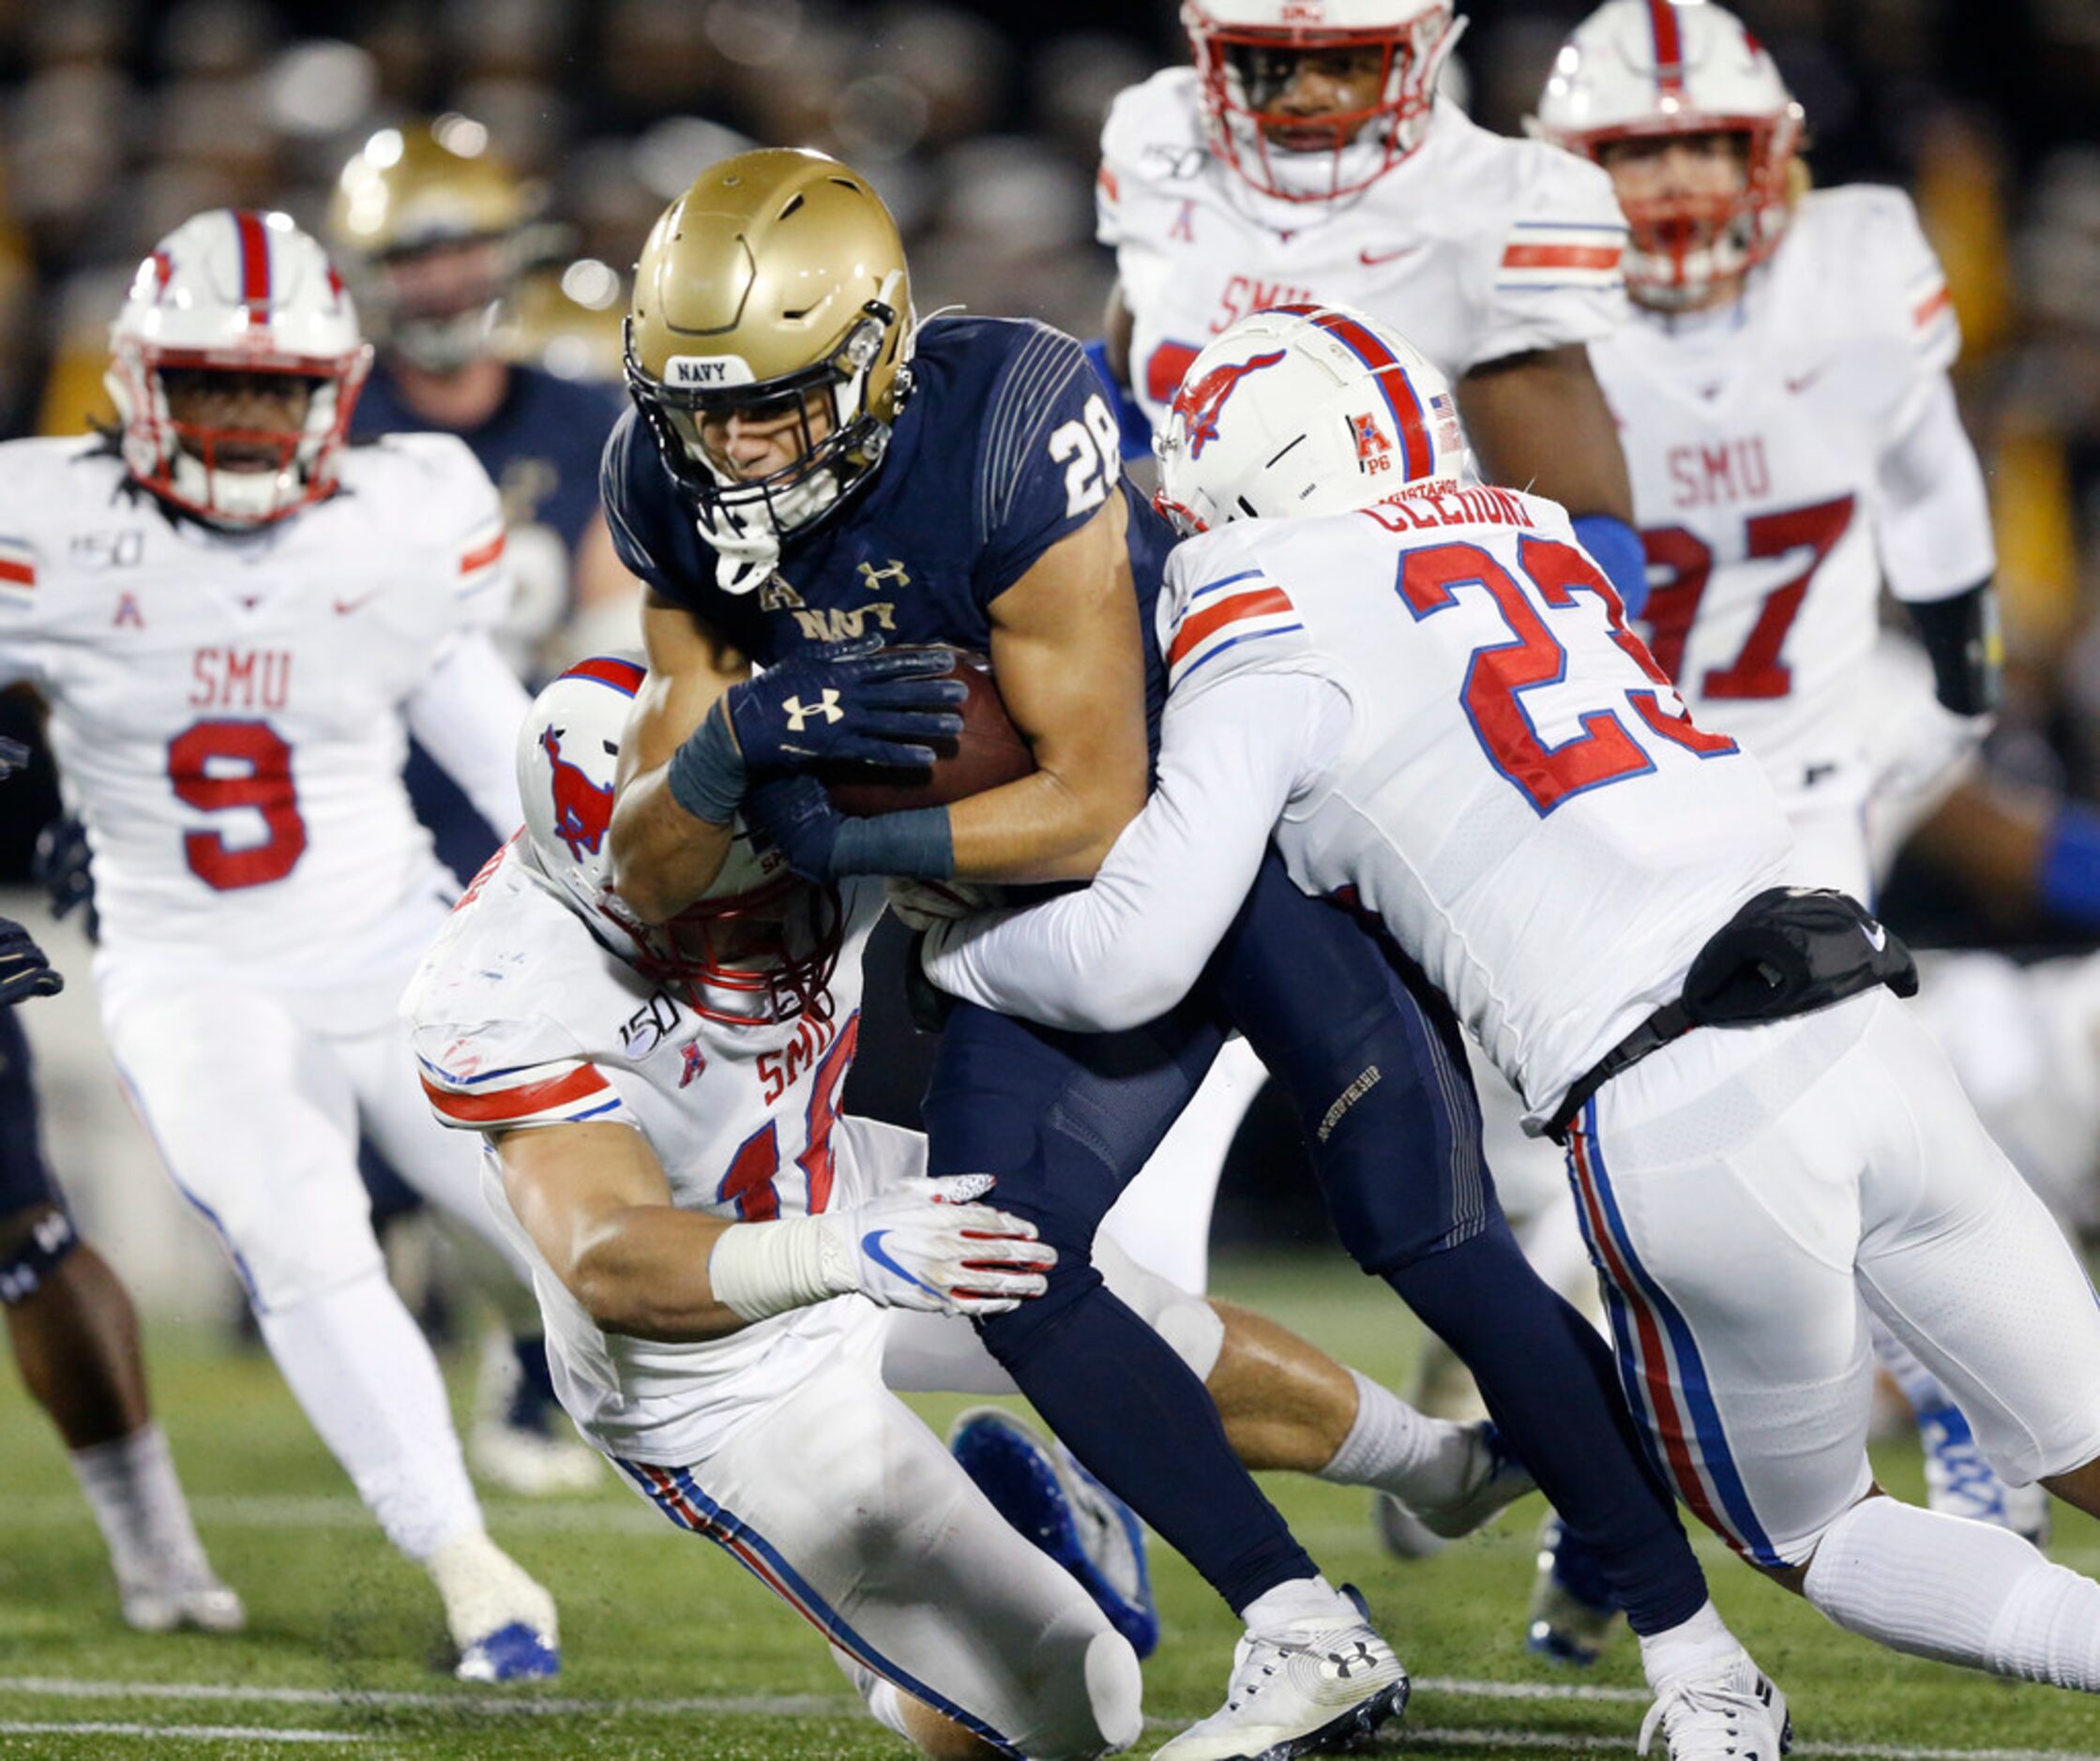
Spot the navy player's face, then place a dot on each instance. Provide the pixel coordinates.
(447, 280)
(756, 441)
(246, 410)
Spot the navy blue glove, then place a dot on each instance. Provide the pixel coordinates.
(60, 866)
(13, 756)
(822, 844)
(24, 972)
(843, 703)
(847, 703)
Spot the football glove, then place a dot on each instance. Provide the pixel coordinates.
(61, 868)
(924, 1244)
(13, 756)
(847, 703)
(25, 971)
(796, 816)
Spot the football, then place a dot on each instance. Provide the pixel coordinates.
(989, 751)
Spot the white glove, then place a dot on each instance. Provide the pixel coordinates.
(920, 1245)
(1924, 748)
(922, 904)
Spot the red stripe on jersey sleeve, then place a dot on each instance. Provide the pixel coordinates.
(1106, 179)
(1560, 257)
(21, 574)
(482, 555)
(1931, 305)
(519, 1103)
(1193, 630)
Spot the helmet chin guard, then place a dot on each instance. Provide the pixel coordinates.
(236, 290)
(760, 946)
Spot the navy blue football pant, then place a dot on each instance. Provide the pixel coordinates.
(25, 1179)
(1372, 1065)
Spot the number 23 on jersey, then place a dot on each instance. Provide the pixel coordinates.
(1609, 750)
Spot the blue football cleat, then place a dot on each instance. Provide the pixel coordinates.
(511, 1654)
(1958, 1481)
(1034, 1483)
(1572, 1613)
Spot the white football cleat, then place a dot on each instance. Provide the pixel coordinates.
(500, 1617)
(1308, 1688)
(201, 1602)
(1494, 1479)
(1732, 1713)
(521, 1442)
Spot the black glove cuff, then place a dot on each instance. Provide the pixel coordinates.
(1960, 634)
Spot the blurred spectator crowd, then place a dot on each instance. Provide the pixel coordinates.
(980, 122)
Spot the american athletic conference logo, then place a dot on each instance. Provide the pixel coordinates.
(1198, 402)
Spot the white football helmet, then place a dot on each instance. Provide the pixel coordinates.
(1305, 409)
(235, 290)
(1639, 69)
(1246, 53)
(759, 946)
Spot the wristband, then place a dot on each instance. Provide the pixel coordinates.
(760, 1269)
(1616, 548)
(919, 843)
(2070, 877)
(706, 773)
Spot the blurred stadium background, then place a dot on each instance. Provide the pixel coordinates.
(979, 124)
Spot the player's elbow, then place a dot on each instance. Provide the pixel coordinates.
(1129, 988)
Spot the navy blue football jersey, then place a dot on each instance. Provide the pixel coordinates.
(1005, 446)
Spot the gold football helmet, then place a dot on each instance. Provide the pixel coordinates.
(430, 226)
(773, 291)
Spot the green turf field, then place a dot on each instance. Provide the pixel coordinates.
(672, 1651)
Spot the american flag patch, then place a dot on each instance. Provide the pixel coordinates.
(18, 572)
(1539, 254)
(1450, 431)
(560, 1092)
(1222, 614)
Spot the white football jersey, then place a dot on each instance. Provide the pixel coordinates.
(521, 1018)
(1473, 248)
(227, 708)
(1764, 441)
(1519, 797)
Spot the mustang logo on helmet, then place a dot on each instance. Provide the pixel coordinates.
(583, 810)
(1199, 400)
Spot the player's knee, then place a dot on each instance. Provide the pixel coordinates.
(1013, 1338)
(1093, 1697)
(1191, 1326)
(33, 1243)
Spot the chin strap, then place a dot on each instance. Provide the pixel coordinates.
(746, 550)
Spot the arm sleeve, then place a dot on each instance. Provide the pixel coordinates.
(1128, 948)
(1933, 525)
(627, 491)
(1557, 272)
(467, 713)
(18, 611)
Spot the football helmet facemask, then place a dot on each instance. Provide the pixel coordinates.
(1248, 57)
(242, 291)
(1299, 411)
(1649, 69)
(430, 226)
(774, 291)
(760, 946)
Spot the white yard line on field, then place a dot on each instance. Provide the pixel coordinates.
(839, 1704)
(180, 1733)
(331, 1511)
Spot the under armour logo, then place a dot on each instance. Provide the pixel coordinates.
(799, 712)
(1342, 1666)
(874, 579)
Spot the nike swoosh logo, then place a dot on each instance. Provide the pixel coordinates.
(1877, 935)
(871, 1244)
(345, 606)
(1371, 259)
(1805, 380)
